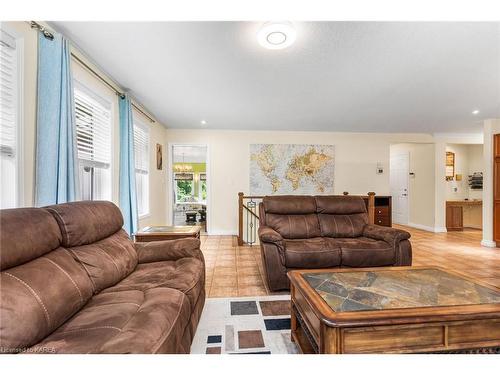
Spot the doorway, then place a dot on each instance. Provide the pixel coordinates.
(399, 173)
(189, 185)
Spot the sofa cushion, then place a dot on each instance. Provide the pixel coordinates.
(107, 261)
(365, 252)
(186, 275)
(38, 296)
(26, 234)
(85, 222)
(294, 226)
(311, 253)
(134, 321)
(289, 204)
(343, 226)
(340, 204)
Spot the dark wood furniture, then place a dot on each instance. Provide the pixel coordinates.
(455, 213)
(161, 233)
(383, 210)
(496, 189)
(398, 310)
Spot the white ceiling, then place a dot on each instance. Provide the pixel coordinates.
(338, 76)
(189, 154)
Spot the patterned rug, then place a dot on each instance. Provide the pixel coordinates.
(245, 325)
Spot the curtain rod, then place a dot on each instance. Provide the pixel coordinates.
(106, 82)
(47, 34)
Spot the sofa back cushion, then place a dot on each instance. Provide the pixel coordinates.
(92, 232)
(41, 284)
(289, 204)
(341, 216)
(292, 216)
(85, 222)
(294, 226)
(107, 261)
(26, 234)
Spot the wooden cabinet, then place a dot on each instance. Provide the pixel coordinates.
(463, 214)
(454, 217)
(496, 189)
(383, 210)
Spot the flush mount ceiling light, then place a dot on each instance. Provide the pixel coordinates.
(475, 112)
(276, 35)
(203, 122)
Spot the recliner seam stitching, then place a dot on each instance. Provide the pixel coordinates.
(37, 297)
(68, 275)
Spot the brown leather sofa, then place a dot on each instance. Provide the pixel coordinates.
(323, 232)
(73, 282)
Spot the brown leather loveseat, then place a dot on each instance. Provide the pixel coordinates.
(324, 232)
(73, 282)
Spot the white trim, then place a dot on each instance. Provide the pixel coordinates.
(427, 228)
(170, 183)
(222, 233)
(488, 243)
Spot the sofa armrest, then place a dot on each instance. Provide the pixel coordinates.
(267, 234)
(390, 235)
(158, 251)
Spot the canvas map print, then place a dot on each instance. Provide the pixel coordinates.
(291, 169)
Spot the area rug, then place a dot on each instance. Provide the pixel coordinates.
(245, 325)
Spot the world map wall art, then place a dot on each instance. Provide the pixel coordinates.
(291, 169)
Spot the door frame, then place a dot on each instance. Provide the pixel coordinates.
(170, 182)
(405, 153)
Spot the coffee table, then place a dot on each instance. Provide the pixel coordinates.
(393, 310)
(161, 233)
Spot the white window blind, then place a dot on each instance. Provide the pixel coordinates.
(93, 124)
(8, 95)
(141, 156)
(9, 121)
(141, 148)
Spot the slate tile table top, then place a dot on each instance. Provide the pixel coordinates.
(392, 289)
(392, 310)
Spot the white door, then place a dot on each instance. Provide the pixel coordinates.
(399, 172)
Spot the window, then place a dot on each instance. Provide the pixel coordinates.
(203, 187)
(93, 130)
(141, 154)
(184, 187)
(9, 121)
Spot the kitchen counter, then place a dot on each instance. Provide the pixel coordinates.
(463, 213)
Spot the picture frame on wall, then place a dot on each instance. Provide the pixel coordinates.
(159, 156)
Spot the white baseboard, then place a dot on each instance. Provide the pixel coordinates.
(222, 233)
(440, 230)
(427, 228)
(488, 243)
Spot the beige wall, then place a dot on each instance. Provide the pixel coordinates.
(157, 184)
(421, 184)
(491, 127)
(356, 158)
(468, 159)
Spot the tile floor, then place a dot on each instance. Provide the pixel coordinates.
(234, 271)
